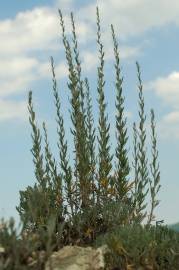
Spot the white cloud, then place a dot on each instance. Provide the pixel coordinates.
(61, 70)
(167, 88)
(16, 74)
(36, 29)
(125, 52)
(90, 59)
(12, 110)
(17, 66)
(128, 114)
(29, 33)
(16, 85)
(133, 17)
(172, 117)
(168, 127)
(65, 5)
(129, 52)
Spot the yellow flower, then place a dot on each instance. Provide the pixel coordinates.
(111, 191)
(58, 200)
(104, 183)
(88, 232)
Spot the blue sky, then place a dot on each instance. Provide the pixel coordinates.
(30, 34)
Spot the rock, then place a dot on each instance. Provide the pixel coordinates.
(77, 258)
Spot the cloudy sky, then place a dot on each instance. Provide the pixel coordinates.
(147, 31)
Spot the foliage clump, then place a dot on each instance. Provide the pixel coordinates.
(87, 203)
(138, 247)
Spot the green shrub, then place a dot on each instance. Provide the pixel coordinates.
(77, 205)
(91, 191)
(140, 246)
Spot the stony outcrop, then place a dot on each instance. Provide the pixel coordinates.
(77, 258)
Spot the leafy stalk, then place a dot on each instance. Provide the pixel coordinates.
(155, 171)
(135, 165)
(62, 144)
(103, 139)
(80, 85)
(78, 66)
(55, 180)
(81, 170)
(36, 148)
(122, 166)
(143, 173)
(91, 138)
